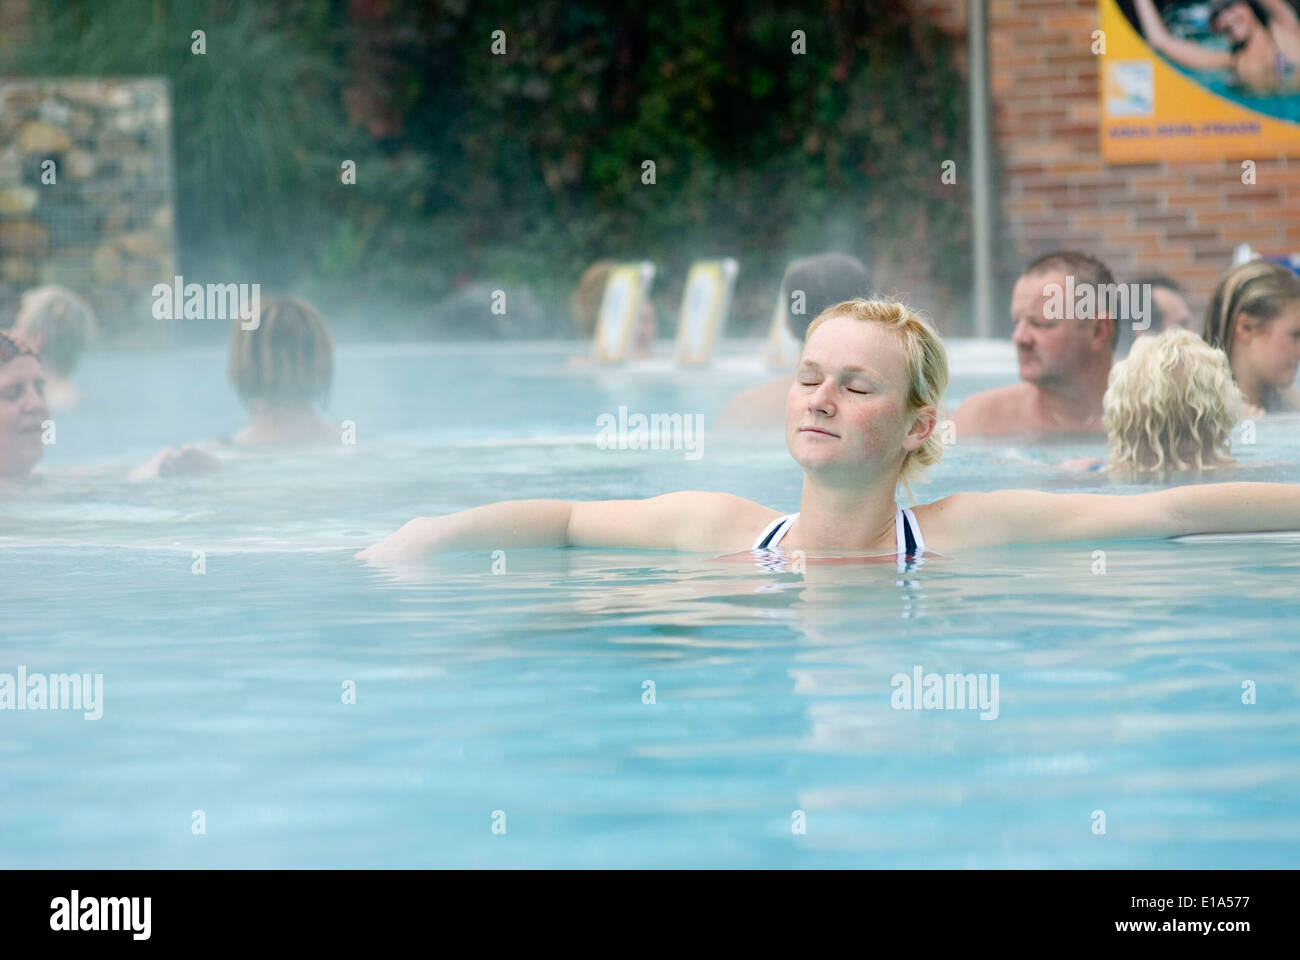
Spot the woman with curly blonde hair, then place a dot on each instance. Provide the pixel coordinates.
(860, 423)
(1171, 405)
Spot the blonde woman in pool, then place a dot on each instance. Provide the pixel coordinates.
(57, 324)
(282, 370)
(860, 422)
(1263, 36)
(1254, 317)
(1170, 406)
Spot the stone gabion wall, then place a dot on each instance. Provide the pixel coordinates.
(104, 227)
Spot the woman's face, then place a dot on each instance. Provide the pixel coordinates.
(1270, 351)
(1236, 22)
(847, 414)
(22, 413)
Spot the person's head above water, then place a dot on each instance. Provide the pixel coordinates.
(584, 305)
(865, 399)
(1254, 317)
(1065, 341)
(1171, 405)
(1237, 20)
(1054, 343)
(287, 362)
(1168, 305)
(1168, 309)
(813, 284)
(58, 324)
(22, 409)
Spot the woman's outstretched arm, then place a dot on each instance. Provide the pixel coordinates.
(1284, 27)
(687, 520)
(1029, 516)
(1280, 11)
(1186, 52)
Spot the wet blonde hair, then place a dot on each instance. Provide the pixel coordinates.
(287, 360)
(1170, 405)
(927, 368)
(585, 302)
(64, 322)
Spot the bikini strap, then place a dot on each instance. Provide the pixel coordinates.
(770, 537)
(907, 534)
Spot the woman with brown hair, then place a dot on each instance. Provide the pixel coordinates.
(1263, 38)
(282, 370)
(282, 367)
(1254, 317)
(23, 412)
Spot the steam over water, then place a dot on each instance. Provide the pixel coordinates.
(522, 690)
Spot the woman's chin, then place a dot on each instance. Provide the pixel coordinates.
(813, 460)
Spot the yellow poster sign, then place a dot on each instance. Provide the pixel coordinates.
(1198, 79)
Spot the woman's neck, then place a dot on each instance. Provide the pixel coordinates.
(280, 425)
(1252, 388)
(847, 517)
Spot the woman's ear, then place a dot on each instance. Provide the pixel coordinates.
(1243, 326)
(923, 423)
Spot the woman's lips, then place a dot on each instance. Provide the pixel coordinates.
(824, 433)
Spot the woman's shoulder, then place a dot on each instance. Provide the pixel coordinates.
(713, 520)
(963, 520)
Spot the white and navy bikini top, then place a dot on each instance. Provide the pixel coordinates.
(907, 534)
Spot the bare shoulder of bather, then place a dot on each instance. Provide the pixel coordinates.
(762, 406)
(997, 411)
(689, 520)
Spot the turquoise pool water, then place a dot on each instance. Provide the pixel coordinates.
(1192, 23)
(1283, 106)
(522, 691)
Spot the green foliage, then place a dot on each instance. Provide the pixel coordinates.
(526, 167)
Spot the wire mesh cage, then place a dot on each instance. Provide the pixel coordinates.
(87, 196)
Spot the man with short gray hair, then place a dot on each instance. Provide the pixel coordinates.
(1065, 340)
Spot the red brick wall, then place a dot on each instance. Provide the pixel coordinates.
(1183, 219)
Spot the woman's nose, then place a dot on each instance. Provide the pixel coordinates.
(822, 397)
(33, 401)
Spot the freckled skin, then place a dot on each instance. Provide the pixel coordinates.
(866, 410)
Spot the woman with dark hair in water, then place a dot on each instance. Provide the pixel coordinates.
(817, 282)
(22, 410)
(1264, 37)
